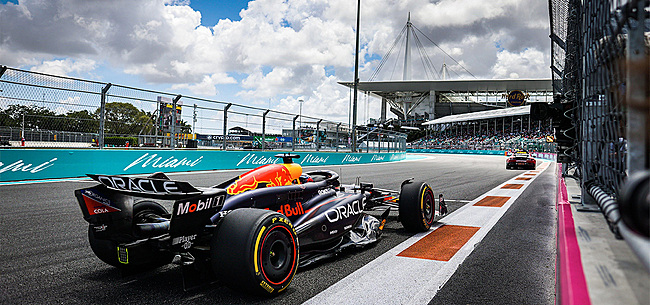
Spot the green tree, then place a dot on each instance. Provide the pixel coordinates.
(36, 117)
(122, 118)
(81, 121)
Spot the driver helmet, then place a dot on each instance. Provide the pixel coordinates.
(304, 178)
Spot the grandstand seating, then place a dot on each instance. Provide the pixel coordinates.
(533, 140)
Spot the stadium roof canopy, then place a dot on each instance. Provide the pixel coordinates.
(415, 101)
(390, 89)
(481, 115)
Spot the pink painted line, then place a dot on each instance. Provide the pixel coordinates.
(573, 285)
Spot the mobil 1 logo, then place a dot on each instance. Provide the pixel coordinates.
(189, 216)
(183, 207)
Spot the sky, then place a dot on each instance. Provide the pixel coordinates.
(270, 53)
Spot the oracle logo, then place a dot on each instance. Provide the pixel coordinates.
(344, 211)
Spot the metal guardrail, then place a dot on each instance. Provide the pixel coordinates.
(42, 110)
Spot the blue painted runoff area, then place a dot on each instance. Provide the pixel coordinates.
(412, 157)
(35, 164)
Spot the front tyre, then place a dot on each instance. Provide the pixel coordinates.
(416, 206)
(255, 251)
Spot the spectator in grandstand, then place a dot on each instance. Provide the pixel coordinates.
(498, 140)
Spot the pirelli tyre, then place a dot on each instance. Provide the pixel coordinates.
(416, 206)
(107, 251)
(255, 251)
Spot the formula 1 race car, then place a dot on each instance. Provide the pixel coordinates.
(521, 159)
(251, 232)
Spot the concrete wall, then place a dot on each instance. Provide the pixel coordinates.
(31, 164)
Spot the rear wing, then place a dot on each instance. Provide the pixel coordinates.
(108, 207)
(156, 186)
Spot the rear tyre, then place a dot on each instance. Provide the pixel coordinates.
(255, 251)
(106, 250)
(416, 206)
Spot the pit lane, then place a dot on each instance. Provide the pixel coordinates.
(46, 257)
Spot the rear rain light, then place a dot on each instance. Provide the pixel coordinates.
(123, 255)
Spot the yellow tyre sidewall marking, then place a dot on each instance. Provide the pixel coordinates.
(424, 191)
(257, 244)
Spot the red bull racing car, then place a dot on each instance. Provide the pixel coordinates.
(252, 232)
(521, 159)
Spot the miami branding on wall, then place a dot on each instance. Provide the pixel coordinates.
(33, 164)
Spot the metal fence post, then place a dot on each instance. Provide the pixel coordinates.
(637, 100)
(102, 116)
(264, 129)
(194, 122)
(337, 137)
(293, 130)
(173, 133)
(318, 134)
(158, 125)
(22, 131)
(225, 124)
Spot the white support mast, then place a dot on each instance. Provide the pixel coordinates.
(406, 100)
(407, 52)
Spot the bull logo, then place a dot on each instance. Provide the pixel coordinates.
(288, 211)
(265, 176)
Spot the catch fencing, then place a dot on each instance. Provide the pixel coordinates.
(600, 52)
(47, 111)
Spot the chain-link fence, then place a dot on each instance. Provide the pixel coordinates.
(41, 110)
(600, 52)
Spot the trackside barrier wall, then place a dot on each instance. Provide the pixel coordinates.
(458, 151)
(31, 164)
(539, 155)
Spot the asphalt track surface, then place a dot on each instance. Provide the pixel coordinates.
(46, 258)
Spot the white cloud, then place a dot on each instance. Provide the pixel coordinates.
(207, 86)
(463, 12)
(328, 100)
(280, 49)
(65, 66)
(526, 64)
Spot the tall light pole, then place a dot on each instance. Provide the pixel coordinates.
(356, 83)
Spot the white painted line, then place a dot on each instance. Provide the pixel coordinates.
(456, 200)
(46, 181)
(405, 280)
